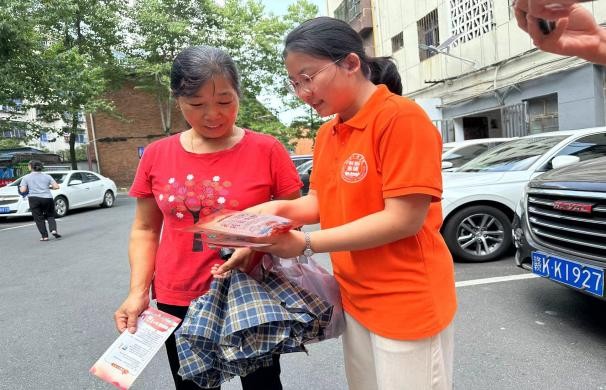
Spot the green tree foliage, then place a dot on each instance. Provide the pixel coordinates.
(10, 143)
(62, 56)
(63, 61)
(162, 28)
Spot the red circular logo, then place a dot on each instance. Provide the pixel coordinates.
(354, 168)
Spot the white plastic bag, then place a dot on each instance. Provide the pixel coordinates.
(312, 277)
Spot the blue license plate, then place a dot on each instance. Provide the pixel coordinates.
(5, 210)
(571, 273)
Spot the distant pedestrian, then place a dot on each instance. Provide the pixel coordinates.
(38, 185)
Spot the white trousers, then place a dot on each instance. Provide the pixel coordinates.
(373, 362)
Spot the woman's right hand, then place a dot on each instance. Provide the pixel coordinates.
(241, 259)
(127, 314)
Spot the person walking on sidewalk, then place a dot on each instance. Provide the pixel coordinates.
(38, 184)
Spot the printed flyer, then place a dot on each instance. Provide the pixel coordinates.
(124, 360)
(234, 229)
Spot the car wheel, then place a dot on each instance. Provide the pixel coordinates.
(60, 207)
(478, 233)
(108, 199)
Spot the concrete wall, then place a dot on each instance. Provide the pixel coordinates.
(580, 97)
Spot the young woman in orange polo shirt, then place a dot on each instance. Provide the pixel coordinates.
(375, 188)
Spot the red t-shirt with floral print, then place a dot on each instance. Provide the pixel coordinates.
(187, 186)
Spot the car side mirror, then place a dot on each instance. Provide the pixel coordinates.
(75, 182)
(447, 164)
(562, 161)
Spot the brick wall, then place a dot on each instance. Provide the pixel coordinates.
(118, 139)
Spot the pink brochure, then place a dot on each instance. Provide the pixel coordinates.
(236, 228)
(124, 360)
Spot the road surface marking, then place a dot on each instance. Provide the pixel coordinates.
(496, 279)
(17, 227)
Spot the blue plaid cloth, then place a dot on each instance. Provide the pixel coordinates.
(240, 322)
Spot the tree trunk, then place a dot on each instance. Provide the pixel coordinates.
(73, 133)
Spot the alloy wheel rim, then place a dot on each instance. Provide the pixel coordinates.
(109, 199)
(60, 206)
(480, 234)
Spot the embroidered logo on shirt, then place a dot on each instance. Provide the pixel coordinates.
(354, 168)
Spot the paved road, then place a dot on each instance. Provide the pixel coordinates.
(58, 298)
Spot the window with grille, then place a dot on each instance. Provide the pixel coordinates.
(471, 18)
(429, 33)
(397, 42)
(543, 114)
(16, 106)
(16, 133)
(348, 10)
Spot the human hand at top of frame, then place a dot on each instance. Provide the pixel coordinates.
(576, 31)
(546, 9)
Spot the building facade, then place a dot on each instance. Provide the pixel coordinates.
(119, 142)
(49, 140)
(477, 74)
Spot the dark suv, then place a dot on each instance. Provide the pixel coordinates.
(560, 229)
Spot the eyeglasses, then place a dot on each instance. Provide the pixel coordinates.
(305, 81)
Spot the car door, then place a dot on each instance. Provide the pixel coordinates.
(96, 189)
(77, 191)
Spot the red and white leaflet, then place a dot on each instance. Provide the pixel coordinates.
(124, 360)
(235, 228)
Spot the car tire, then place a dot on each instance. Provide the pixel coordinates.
(61, 206)
(478, 233)
(108, 199)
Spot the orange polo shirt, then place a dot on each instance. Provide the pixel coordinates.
(403, 290)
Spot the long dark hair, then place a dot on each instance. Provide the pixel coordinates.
(196, 65)
(326, 37)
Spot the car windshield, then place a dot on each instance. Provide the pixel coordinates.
(517, 155)
(446, 148)
(59, 177)
(306, 166)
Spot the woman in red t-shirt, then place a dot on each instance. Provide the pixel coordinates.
(181, 178)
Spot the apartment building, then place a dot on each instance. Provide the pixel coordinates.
(474, 71)
(49, 140)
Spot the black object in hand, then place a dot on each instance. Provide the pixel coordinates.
(546, 26)
(225, 253)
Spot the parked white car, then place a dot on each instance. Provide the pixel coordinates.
(479, 199)
(77, 189)
(455, 154)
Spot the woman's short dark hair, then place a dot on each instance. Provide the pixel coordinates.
(36, 165)
(326, 37)
(196, 65)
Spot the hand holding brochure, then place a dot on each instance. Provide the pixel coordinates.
(237, 228)
(124, 360)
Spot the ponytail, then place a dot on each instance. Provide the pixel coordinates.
(384, 71)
